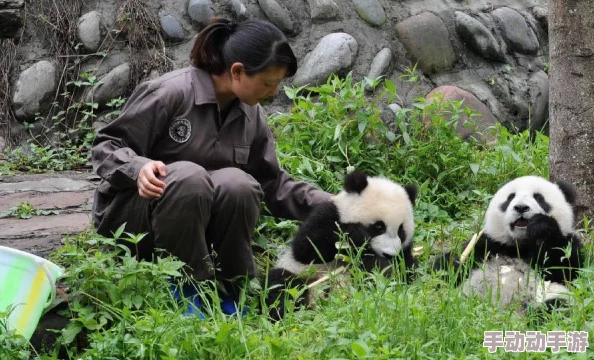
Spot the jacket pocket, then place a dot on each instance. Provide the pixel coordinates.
(242, 154)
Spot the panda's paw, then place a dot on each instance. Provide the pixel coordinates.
(542, 227)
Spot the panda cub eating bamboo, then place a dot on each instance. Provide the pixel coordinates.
(529, 250)
(376, 217)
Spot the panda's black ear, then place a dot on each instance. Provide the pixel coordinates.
(411, 190)
(355, 182)
(568, 190)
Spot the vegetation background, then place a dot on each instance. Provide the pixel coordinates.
(121, 308)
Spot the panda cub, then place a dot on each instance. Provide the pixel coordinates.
(376, 217)
(521, 255)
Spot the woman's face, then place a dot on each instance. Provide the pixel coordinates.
(253, 89)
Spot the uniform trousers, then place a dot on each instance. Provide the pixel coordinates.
(205, 218)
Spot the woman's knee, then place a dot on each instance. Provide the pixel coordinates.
(235, 185)
(186, 178)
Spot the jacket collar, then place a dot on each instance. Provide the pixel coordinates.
(204, 94)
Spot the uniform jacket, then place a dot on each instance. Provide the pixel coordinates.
(175, 118)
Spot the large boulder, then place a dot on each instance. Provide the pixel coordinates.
(89, 30)
(539, 100)
(279, 14)
(427, 41)
(477, 37)
(371, 11)
(35, 90)
(480, 124)
(335, 53)
(171, 26)
(112, 86)
(320, 10)
(200, 11)
(518, 35)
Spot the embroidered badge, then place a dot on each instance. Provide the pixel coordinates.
(180, 130)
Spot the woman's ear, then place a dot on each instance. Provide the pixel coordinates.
(237, 69)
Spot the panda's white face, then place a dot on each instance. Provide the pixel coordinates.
(518, 201)
(383, 211)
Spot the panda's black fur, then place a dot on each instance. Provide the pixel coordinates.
(376, 216)
(528, 224)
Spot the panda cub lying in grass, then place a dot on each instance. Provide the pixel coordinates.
(374, 214)
(529, 250)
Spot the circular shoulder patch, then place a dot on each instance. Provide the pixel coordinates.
(180, 130)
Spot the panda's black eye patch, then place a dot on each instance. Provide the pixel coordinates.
(377, 228)
(401, 233)
(505, 204)
(542, 202)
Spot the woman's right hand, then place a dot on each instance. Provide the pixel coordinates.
(149, 186)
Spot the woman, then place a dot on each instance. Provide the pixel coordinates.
(191, 157)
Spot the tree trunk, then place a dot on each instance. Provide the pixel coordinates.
(571, 76)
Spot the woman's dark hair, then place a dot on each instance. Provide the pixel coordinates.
(256, 44)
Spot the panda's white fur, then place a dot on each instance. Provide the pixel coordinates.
(384, 200)
(521, 255)
(507, 280)
(497, 226)
(375, 214)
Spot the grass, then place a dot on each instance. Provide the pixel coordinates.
(122, 307)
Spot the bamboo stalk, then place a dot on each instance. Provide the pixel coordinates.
(470, 246)
(326, 277)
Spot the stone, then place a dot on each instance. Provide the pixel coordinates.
(40, 235)
(111, 86)
(239, 9)
(371, 11)
(100, 66)
(477, 37)
(11, 22)
(180, 53)
(539, 100)
(200, 11)
(323, 10)
(279, 15)
(541, 14)
(46, 201)
(515, 31)
(49, 185)
(35, 90)
(89, 30)
(335, 53)
(427, 41)
(172, 28)
(395, 108)
(482, 123)
(380, 63)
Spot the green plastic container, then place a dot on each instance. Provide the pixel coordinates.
(28, 286)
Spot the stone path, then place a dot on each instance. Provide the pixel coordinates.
(66, 196)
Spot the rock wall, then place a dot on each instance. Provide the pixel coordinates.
(494, 55)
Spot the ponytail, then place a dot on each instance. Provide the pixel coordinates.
(207, 52)
(256, 44)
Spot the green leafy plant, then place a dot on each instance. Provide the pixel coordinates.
(25, 210)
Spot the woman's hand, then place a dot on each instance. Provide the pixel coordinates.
(149, 186)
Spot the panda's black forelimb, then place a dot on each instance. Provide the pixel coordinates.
(550, 254)
(315, 240)
(278, 281)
